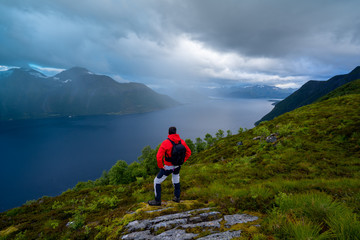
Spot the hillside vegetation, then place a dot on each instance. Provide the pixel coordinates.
(300, 173)
(309, 93)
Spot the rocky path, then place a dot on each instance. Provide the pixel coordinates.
(203, 223)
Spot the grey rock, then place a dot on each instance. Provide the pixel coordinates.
(271, 139)
(239, 143)
(169, 224)
(70, 224)
(205, 216)
(238, 218)
(138, 225)
(196, 219)
(210, 224)
(210, 215)
(177, 234)
(170, 217)
(222, 236)
(143, 235)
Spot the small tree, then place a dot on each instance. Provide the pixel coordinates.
(219, 134)
(119, 174)
(148, 160)
(136, 170)
(209, 140)
(229, 133)
(200, 145)
(190, 144)
(103, 180)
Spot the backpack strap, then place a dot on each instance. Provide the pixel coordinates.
(166, 156)
(173, 143)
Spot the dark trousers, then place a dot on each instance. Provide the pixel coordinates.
(162, 176)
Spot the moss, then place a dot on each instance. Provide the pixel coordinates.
(8, 231)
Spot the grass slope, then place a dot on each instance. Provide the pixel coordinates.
(304, 185)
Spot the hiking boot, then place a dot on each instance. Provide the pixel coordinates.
(176, 199)
(154, 203)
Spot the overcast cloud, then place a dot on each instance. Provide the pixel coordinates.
(190, 42)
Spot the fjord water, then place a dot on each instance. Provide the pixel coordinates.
(48, 156)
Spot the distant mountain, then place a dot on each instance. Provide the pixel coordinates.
(256, 91)
(309, 93)
(26, 93)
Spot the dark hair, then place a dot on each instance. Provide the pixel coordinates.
(172, 130)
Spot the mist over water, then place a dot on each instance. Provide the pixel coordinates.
(48, 156)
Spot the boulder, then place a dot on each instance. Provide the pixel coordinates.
(238, 218)
(272, 138)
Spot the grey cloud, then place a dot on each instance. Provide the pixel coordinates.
(269, 27)
(139, 39)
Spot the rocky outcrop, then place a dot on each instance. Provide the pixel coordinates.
(188, 225)
(271, 138)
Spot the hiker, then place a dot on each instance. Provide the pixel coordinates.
(176, 146)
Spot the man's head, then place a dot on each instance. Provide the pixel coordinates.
(172, 130)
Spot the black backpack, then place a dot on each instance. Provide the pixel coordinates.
(177, 154)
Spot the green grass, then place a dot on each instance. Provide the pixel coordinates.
(305, 185)
(312, 215)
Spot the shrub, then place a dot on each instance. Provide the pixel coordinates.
(105, 202)
(229, 133)
(200, 145)
(77, 221)
(103, 180)
(219, 134)
(83, 185)
(209, 140)
(136, 170)
(52, 224)
(119, 173)
(261, 130)
(148, 160)
(21, 236)
(241, 130)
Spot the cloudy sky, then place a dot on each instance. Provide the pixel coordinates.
(186, 42)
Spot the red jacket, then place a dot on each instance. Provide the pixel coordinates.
(166, 147)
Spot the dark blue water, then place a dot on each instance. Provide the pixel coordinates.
(48, 156)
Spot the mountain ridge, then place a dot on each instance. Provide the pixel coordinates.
(27, 93)
(310, 92)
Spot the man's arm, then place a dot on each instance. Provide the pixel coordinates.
(188, 151)
(160, 155)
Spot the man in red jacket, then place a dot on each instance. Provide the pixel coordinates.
(167, 168)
